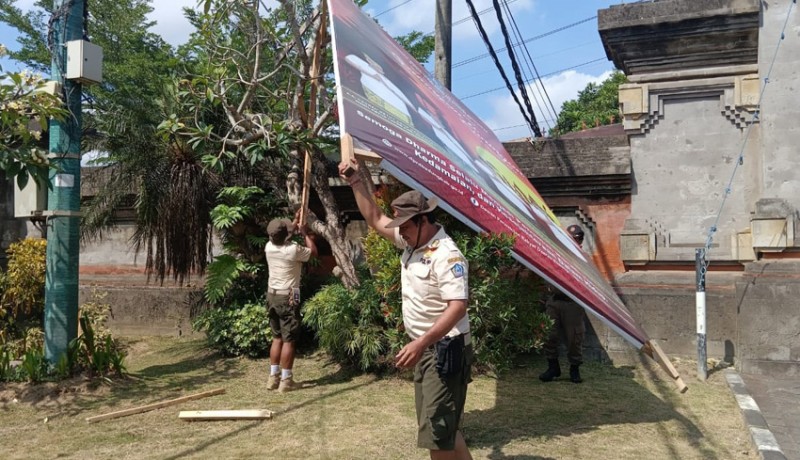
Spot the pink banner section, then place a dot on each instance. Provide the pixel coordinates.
(430, 141)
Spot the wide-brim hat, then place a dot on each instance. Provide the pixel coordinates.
(410, 204)
(280, 228)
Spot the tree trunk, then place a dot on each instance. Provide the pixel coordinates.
(331, 227)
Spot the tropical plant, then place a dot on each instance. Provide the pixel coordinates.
(25, 109)
(242, 331)
(22, 284)
(596, 105)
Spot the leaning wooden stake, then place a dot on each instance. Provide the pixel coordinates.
(249, 414)
(652, 350)
(158, 405)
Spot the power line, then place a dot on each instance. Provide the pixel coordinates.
(542, 77)
(480, 13)
(517, 73)
(393, 8)
(538, 84)
(528, 40)
(488, 44)
(471, 75)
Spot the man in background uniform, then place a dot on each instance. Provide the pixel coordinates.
(568, 318)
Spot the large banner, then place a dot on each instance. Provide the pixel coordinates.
(430, 141)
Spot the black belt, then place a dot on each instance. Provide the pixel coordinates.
(467, 340)
(279, 291)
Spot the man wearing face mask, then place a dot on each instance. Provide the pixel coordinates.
(435, 293)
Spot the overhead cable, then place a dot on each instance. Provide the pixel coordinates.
(555, 72)
(527, 40)
(393, 8)
(485, 38)
(538, 83)
(523, 90)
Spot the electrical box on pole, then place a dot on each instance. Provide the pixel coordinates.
(30, 200)
(84, 62)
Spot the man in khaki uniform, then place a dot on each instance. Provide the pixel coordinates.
(435, 294)
(569, 319)
(285, 259)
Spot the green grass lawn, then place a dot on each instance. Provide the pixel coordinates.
(617, 413)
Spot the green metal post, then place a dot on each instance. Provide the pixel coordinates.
(63, 200)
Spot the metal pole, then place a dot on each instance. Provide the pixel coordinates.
(63, 203)
(700, 302)
(444, 42)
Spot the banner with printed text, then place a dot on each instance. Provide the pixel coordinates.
(430, 141)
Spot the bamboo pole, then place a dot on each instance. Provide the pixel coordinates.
(158, 405)
(315, 74)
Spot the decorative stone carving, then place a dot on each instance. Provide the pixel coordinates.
(642, 104)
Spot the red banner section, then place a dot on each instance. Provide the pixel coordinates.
(430, 141)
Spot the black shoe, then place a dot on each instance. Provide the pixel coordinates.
(575, 374)
(553, 371)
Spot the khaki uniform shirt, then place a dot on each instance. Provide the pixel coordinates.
(432, 275)
(285, 263)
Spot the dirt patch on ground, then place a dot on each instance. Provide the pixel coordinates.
(51, 393)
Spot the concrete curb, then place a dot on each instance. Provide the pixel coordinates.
(763, 439)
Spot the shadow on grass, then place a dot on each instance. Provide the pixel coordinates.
(210, 442)
(526, 408)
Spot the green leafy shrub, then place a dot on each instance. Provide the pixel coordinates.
(94, 352)
(237, 331)
(506, 313)
(357, 326)
(34, 366)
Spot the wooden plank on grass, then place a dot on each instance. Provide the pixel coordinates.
(247, 414)
(663, 360)
(158, 405)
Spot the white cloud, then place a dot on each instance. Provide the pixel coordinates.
(420, 15)
(171, 24)
(561, 88)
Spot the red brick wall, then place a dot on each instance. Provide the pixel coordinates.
(608, 217)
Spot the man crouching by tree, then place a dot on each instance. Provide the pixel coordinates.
(285, 259)
(435, 295)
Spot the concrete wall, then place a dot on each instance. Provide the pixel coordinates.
(780, 132)
(143, 310)
(769, 323)
(681, 167)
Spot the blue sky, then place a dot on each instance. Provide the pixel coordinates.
(566, 60)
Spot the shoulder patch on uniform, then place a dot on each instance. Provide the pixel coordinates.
(458, 270)
(455, 259)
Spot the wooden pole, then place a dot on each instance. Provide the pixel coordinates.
(315, 74)
(652, 350)
(158, 405)
(443, 39)
(247, 414)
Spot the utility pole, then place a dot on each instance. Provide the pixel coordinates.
(444, 42)
(63, 200)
